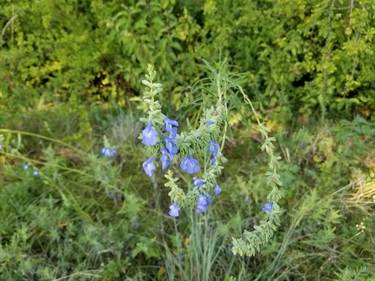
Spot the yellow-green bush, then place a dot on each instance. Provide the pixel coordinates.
(302, 56)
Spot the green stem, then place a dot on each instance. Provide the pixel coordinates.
(9, 155)
(8, 131)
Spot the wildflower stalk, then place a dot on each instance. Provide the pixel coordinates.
(213, 126)
(251, 241)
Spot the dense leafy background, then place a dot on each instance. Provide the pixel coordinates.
(300, 57)
(71, 71)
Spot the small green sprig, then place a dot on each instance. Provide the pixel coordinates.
(154, 112)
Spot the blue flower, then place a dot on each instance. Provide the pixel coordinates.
(190, 165)
(169, 123)
(214, 148)
(149, 166)
(149, 135)
(213, 161)
(164, 158)
(198, 182)
(1, 146)
(217, 190)
(203, 202)
(35, 173)
(173, 132)
(108, 152)
(267, 207)
(174, 210)
(26, 166)
(169, 143)
(209, 123)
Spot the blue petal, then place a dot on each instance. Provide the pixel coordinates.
(174, 210)
(149, 166)
(203, 202)
(149, 135)
(169, 123)
(214, 148)
(164, 161)
(217, 190)
(267, 207)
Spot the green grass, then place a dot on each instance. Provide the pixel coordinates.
(86, 217)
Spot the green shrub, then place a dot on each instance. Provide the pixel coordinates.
(312, 56)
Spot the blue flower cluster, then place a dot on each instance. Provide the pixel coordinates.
(26, 167)
(188, 164)
(170, 141)
(203, 201)
(150, 138)
(109, 152)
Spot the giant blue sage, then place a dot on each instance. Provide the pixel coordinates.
(163, 141)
